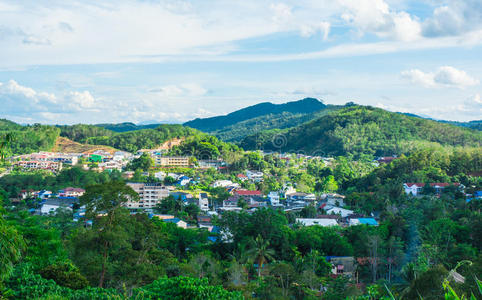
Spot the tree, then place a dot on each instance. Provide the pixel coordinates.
(373, 244)
(329, 184)
(143, 162)
(286, 274)
(65, 274)
(5, 144)
(107, 199)
(260, 252)
(11, 246)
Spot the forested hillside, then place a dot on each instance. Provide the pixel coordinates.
(359, 130)
(142, 139)
(290, 110)
(126, 126)
(28, 139)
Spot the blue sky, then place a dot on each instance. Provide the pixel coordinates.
(71, 62)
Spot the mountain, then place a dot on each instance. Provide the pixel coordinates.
(360, 130)
(262, 116)
(127, 126)
(476, 124)
(33, 138)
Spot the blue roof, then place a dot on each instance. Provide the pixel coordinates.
(173, 220)
(368, 221)
(478, 194)
(212, 238)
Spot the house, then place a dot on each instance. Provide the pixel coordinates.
(180, 223)
(52, 205)
(342, 265)
(230, 204)
(301, 197)
(184, 197)
(71, 192)
(333, 210)
(183, 180)
(210, 163)
(333, 199)
(288, 190)
(242, 177)
(150, 194)
(222, 183)
(255, 176)
(160, 175)
(273, 198)
(317, 221)
(24, 194)
(416, 188)
(362, 221)
(203, 202)
(53, 166)
(163, 217)
(43, 194)
(249, 196)
(96, 158)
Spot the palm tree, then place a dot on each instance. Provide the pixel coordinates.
(7, 139)
(260, 252)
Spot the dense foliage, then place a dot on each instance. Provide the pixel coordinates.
(142, 139)
(305, 106)
(358, 130)
(28, 139)
(126, 126)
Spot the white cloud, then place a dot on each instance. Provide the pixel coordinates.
(309, 30)
(443, 76)
(27, 102)
(82, 99)
(454, 18)
(477, 99)
(186, 89)
(281, 12)
(375, 16)
(72, 32)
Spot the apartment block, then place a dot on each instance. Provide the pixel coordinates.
(150, 194)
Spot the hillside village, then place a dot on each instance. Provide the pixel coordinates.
(354, 214)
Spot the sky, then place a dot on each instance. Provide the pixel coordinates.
(147, 61)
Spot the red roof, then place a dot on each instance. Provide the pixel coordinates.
(241, 176)
(248, 193)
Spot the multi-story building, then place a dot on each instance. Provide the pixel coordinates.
(203, 201)
(40, 165)
(171, 161)
(150, 194)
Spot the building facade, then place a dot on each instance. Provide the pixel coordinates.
(150, 194)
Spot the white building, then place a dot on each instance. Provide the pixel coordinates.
(256, 176)
(222, 183)
(317, 221)
(333, 199)
(273, 198)
(160, 175)
(203, 201)
(52, 205)
(150, 194)
(339, 211)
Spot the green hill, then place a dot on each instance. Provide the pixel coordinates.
(262, 116)
(361, 130)
(128, 140)
(126, 126)
(31, 138)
